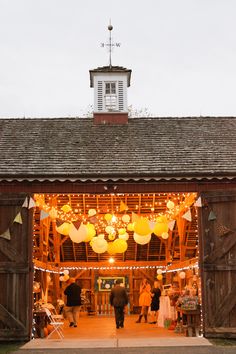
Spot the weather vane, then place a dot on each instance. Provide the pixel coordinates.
(111, 44)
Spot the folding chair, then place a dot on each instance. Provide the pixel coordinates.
(54, 321)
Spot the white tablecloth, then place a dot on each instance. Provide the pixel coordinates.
(165, 310)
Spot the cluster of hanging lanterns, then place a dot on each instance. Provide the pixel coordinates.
(115, 240)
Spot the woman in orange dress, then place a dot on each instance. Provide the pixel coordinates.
(145, 299)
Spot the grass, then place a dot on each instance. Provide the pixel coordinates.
(8, 347)
(222, 341)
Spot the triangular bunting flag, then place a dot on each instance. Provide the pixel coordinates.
(222, 230)
(59, 222)
(123, 206)
(43, 215)
(187, 216)
(31, 203)
(171, 225)
(134, 217)
(211, 216)
(93, 219)
(18, 218)
(76, 224)
(198, 202)
(6, 235)
(25, 204)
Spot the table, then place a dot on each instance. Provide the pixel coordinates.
(191, 319)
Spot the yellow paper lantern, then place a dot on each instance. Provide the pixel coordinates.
(160, 228)
(91, 232)
(142, 227)
(121, 231)
(111, 237)
(159, 276)
(64, 229)
(120, 245)
(66, 208)
(110, 248)
(130, 227)
(108, 217)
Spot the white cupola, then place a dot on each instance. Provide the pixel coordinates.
(110, 92)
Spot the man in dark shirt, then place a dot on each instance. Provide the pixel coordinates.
(119, 299)
(72, 308)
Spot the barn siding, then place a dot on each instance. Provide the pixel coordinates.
(218, 240)
(16, 269)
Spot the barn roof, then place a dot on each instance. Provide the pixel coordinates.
(145, 148)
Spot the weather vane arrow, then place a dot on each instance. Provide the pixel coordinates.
(111, 44)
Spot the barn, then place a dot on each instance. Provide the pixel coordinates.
(112, 196)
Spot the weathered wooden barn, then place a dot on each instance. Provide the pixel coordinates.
(97, 164)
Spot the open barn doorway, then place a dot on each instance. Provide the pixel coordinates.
(97, 238)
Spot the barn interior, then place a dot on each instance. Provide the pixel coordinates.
(97, 238)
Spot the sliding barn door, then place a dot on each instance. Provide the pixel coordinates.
(218, 260)
(16, 271)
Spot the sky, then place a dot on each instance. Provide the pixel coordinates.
(182, 54)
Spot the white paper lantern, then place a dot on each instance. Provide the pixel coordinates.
(124, 236)
(125, 218)
(78, 235)
(66, 272)
(159, 271)
(142, 240)
(170, 204)
(165, 235)
(182, 275)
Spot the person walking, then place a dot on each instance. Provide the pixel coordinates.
(72, 308)
(119, 299)
(155, 304)
(144, 299)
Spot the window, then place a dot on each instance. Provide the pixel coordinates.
(110, 96)
(110, 88)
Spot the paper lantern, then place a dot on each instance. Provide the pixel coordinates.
(99, 244)
(160, 228)
(66, 208)
(36, 286)
(162, 218)
(64, 229)
(130, 227)
(61, 278)
(110, 248)
(53, 213)
(141, 227)
(66, 277)
(182, 275)
(159, 276)
(142, 240)
(159, 271)
(121, 231)
(165, 235)
(170, 204)
(91, 232)
(108, 217)
(125, 218)
(110, 229)
(124, 236)
(120, 246)
(111, 237)
(66, 272)
(92, 212)
(78, 235)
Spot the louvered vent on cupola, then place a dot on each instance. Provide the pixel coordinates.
(110, 94)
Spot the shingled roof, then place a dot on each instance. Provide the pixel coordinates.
(145, 148)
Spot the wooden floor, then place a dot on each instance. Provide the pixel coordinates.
(104, 327)
(100, 332)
